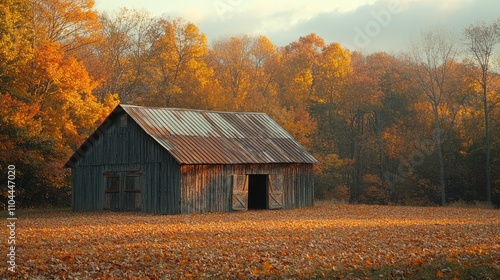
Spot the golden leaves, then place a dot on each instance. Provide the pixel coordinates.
(71, 23)
(300, 243)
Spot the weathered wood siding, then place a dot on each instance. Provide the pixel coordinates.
(166, 186)
(122, 149)
(208, 188)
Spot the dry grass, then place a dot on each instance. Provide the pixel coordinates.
(326, 241)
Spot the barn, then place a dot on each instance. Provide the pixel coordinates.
(176, 161)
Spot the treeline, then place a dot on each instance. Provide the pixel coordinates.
(417, 128)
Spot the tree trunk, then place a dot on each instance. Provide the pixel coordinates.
(440, 155)
(487, 136)
(380, 142)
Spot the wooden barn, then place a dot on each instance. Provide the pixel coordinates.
(173, 161)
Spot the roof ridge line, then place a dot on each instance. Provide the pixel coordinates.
(192, 109)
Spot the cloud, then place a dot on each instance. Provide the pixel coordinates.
(370, 22)
(270, 16)
(357, 25)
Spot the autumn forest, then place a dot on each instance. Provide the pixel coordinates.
(421, 127)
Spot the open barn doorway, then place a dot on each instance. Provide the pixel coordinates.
(257, 191)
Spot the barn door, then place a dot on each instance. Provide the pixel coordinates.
(275, 194)
(132, 191)
(240, 192)
(122, 191)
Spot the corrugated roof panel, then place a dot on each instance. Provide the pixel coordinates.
(226, 128)
(209, 137)
(275, 131)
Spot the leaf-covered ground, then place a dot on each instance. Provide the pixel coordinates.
(328, 241)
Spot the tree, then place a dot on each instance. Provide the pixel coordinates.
(47, 104)
(334, 67)
(178, 70)
(363, 97)
(61, 86)
(231, 60)
(265, 60)
(431, 59)
(300, 61)
(72, 23)
(384, 71)
(481, 39)
(246, 68)
(24, 144)
(15, 42)
(120, 60)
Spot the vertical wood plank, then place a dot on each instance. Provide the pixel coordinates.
(275, 191)
(240, 192)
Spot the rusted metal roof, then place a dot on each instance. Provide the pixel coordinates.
(212, 137)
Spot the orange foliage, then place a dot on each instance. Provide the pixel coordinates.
(66, 68)
(17, 116)
(328, 240)
(62, 87)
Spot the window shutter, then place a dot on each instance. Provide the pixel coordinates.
(111, 191)
(275, 183)
(240, 192)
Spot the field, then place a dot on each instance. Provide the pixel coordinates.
(326, 241)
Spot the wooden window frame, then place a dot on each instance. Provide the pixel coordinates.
(132, 174)
(109, 175)
(123, 121)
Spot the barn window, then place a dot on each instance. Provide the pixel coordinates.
(112, 183)
(112, 191)
(132, 191)
(123, 123)
(123, 120)
(132, 183)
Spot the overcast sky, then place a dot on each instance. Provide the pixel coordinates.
(365, 25)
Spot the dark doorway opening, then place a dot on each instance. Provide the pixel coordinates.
(257, 191)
